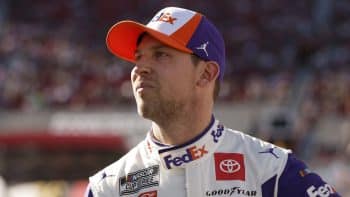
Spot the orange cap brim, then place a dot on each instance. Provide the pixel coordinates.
(122, 37)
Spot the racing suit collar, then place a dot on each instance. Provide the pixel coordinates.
(189, 153)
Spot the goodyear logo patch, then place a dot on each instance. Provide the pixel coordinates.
(135, 181)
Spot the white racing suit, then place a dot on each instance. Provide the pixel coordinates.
(219, 162)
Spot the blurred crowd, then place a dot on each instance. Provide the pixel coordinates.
(44, 69)
(54, 57)
(290, 53)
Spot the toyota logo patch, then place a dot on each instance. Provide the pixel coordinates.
(229, 166)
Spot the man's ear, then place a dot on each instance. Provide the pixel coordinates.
(209, 73)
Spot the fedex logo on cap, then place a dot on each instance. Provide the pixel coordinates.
(164, 17)
(170, 19)
(192, 153)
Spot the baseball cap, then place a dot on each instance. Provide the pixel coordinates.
(180, 28)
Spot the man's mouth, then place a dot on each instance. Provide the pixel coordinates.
(142, 86)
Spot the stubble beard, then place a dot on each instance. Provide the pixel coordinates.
(160, 110)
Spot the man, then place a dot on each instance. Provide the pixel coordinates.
(179, 59)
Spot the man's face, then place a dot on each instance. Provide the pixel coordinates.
(163, 79)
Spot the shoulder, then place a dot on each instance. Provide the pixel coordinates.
(265, 159)
(103, 183)
(254, 145)
(298, 180)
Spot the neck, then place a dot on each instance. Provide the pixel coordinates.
(183, 127)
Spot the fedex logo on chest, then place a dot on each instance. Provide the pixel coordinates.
(191, 154)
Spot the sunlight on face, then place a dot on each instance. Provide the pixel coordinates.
(163, 80)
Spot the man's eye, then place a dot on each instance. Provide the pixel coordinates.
(160, 54)
(137, 56)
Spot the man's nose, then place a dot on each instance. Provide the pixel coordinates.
(142, 68)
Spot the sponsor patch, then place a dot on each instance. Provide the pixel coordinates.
(229, 166)
(323, 191)
(233, 191)
(149, 194)
(217, 133)
(270, 151)
(164, 17)
(191, 154)
(135, 181)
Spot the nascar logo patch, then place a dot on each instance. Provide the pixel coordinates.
(135, 181)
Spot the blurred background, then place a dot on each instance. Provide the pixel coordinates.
(67, 109)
